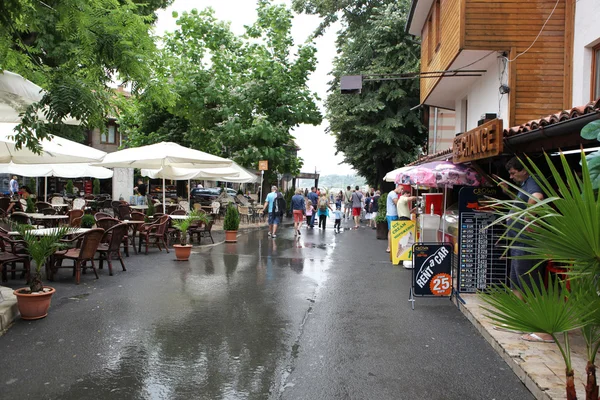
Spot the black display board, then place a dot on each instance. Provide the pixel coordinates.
(432, 270)
(479, 264)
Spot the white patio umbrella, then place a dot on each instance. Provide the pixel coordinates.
(75, 170)
(16, 93)
(391, 176)
(161, 155)
(54, 151)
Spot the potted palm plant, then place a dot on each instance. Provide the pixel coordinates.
(183, 249)
(231, 223)
(565, 228)
(34, 301)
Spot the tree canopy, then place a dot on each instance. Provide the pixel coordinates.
(74, 49)
(237, 96)
(376, 130)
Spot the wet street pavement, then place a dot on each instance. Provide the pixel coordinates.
(322, 317)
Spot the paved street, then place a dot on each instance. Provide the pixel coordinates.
(323, 317)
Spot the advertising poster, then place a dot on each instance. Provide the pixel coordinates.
(432, 269)
(403, 237)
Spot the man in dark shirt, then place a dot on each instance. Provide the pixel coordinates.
(141, 190)
(521, 271)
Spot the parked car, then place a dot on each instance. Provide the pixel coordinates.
(204, 196)
(231, 192)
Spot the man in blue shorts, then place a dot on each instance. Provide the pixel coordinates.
(274, 217)
(391, 212)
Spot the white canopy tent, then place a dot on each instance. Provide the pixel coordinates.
(16, 93)
(235, 173)
(161, 155)
(54, 151)
(75, 170)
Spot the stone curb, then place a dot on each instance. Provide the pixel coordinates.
(8, 308)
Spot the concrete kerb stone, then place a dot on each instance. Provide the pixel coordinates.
(8, 308)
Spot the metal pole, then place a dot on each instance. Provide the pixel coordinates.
(164, 198)
(46, 189)
(262, 173)
(189, 190)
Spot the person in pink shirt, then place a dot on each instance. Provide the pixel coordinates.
(309, 213)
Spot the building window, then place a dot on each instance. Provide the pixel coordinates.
(110, 136)
(596, 72)
(438, 25)
(430, 38)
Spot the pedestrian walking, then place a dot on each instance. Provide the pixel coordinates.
(348, 202)
(337, 226)
(374, 209)
(13, 186)
(357, 197)
(338, 200)
(298, 209)
(275, 205)
(367, 207)
(310, 210)
(314, 198)
(323, 211)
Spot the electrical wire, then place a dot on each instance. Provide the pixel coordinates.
(476, 61)
(538, 35)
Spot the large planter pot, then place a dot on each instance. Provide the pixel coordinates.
(182, 252)
(382, 230)
(33, 305)
(230, 236)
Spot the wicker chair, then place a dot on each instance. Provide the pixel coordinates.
(73, 215)
(154, 231)
(79, 204)
(124, 212)
(20, 218)
(41, 206)
(100, 215)
(111, 245)
(107, 223)
(200, 229)
(49, 211)
(179, 212)
(81, 255)
(13, 253)
(4, 204)
(216, 207)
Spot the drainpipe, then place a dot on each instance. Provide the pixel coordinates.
(435, 128)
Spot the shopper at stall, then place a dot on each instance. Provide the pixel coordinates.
(523, 271)
(404, 205)
(391, 213)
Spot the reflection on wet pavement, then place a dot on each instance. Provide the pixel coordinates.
(223, 326)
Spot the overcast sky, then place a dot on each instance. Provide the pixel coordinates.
(317, 148)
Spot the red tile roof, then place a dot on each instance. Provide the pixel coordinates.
(592, 106)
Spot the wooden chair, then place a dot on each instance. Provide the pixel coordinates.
(41, 206)
(124, 212)
(111, 245)
(100, 215)
(169, 208)
(73, 215)
(201, 230)
(80, 255)
(154, 231)
(108, 223)
(13, 252)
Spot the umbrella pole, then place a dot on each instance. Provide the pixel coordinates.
(46, 189)
(189, 190)
(443, 212)
(164, 198)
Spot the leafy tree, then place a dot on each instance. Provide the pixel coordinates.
(376, 130)
(74, 50)
(237, 96)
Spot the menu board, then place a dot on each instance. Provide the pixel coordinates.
(480, 262)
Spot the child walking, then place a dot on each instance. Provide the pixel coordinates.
(309, 213)
(338, 218)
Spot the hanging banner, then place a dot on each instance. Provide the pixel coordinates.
(432, 272)
(403, 237)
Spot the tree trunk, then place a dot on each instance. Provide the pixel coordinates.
(591, 387)
(571, 393)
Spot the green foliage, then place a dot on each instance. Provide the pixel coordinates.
(151, 210)
(184, 224)
(287, 196)
(382, 210)
(40, 248)
(565, 228)
(266, 92)
(74, 50)
(69, 187)
(231, 222)
(239, 191)
(592, 132)
(87, 221)
(32, 186)
(376, 129)
(96, 188)
(30, 206)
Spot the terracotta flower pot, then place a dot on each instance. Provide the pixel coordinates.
(230, 236)
(182, 252)
(33, 305)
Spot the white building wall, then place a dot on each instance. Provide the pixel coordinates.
(122, 183)
(586, 36)
(483, 96)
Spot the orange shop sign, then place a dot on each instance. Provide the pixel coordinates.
(482, 142)
(263, 165)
